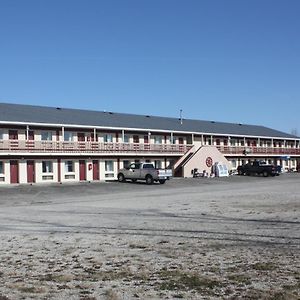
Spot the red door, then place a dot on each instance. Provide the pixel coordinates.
(96, 170)
(14, 171)
(82, 173)
(80, 137)
(13, 134)
(30, 135)
(30, 171)
(180, 141)
(13, 137)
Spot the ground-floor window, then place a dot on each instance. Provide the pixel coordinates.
(233, 163)
(109, 168)
(157, 164)
(126, 163)
(69, 168)
(47, 166)
(2, 178)
(47, 170)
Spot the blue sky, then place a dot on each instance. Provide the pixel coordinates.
(222, 60)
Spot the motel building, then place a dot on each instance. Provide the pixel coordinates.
(52, 144)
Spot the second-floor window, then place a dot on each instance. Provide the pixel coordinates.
(68, 136)
(47, 167)
(1, 167)
(1, 135)
(108, 138)
(126, 138)
(46, 136)
(157, 140)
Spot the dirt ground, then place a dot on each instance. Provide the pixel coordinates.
(219, 238)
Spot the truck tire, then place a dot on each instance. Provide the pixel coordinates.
(162, 181)
(149, 179)
(121, 177)
(265, 174)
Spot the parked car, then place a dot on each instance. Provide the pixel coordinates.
(144, 171)
(259, 168)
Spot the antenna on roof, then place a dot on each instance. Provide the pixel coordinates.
(181, 116)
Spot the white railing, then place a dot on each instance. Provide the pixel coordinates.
(66, 147)
(258, 150)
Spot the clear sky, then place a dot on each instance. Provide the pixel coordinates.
(222, 60)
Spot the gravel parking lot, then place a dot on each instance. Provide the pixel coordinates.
(229, 238)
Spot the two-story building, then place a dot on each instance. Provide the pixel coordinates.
(48, 144)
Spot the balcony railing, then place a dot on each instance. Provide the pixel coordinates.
(88, 147)
(258, 150)
(17, 146)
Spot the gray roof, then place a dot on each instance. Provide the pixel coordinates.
(52, 115)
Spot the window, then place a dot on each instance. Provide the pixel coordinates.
(233, 163)
(1, 167)
(108, 138)
(126, 139)
(69, 166)
(1, 135)
(148, 166)
(157, 164)
(232, 142)
(109, 166)
(135, 166)
(157, 140)
(47, 167)
(68, 136)
(46, 136)
(126, 164)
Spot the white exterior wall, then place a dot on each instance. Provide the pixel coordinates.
(39, 171)
(199, 160)
(22, 171)
(89, 169)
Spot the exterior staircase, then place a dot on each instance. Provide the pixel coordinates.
(177, 168)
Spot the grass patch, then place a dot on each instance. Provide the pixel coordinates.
(177, 280)
(240, 278)
(263, 266)
(135, 246)
(57, 278)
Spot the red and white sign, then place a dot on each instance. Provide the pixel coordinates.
(209, 161)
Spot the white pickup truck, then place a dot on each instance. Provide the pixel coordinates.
(144, 171)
